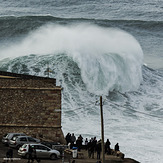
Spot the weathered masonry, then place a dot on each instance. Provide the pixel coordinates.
(31, 105)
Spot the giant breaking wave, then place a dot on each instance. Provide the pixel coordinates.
(109, 59)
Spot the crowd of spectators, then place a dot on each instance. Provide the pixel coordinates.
(92, 146)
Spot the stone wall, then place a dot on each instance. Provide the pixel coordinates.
(31, 106)
(35, 83)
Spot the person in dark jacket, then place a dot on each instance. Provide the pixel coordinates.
(34, 154)
(98, 149)
(30, 151)
(9, 154)
(73, 140)
(79, 142)
(89, 148)
(68, 138)
(107, 147)
(116, 148)
(93, 146)
(86, 143)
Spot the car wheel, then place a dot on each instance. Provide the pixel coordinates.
(27, 156)
(53, 156)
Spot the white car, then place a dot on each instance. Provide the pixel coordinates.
(42, 151)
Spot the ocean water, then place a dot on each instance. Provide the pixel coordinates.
(112, 49)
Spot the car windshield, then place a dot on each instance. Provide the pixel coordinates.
(31, 139)
(23, 139)
(16, 135)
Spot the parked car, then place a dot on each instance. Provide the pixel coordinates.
(18, 141)
(50, 144)
(42, 151)
(8, 136)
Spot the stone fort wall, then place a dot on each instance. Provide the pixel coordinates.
(31, 106)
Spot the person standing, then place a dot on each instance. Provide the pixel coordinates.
(86, 143)
(35, 155)
(68, 138)
(107, 147)
(80, 141)
(93, 146)
(73, 140)
(98, 149)
(78, 144)
(30, 151)
(116, 148)
(89, 148)
(9, 155)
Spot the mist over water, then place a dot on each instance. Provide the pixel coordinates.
(109, 59)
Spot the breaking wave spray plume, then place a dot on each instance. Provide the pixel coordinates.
(109, 59)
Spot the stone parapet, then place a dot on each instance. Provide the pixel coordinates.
(35, 83)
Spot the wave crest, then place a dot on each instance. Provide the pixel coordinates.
(109, 59)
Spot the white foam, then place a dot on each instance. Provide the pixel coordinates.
(108, 58)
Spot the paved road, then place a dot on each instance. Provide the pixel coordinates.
(108, 158)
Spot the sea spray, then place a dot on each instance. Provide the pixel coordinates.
(109, 59)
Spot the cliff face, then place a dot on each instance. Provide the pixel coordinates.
(32, 106)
